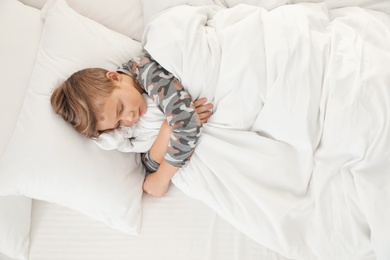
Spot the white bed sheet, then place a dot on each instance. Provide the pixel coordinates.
(174, 227)
(4, 257)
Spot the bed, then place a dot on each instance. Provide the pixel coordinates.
(320, 190)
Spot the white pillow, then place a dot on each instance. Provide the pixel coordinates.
(46, 159)
(15, 32)
(15, 211)
(124, 16)
(15, 219)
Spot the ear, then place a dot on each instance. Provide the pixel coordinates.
(113, 75)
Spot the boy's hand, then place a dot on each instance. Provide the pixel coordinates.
(155, 184)
(203, 109)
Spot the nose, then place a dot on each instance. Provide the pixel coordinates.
(128, 119)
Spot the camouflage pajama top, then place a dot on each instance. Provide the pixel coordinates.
(171, 98)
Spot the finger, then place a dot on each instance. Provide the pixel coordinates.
(204, 120)
(204, 116)
(200, 102)
(204, 108)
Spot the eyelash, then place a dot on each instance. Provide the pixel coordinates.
(121, 109)
(120, 112)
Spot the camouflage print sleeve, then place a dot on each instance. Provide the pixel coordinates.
(150, 164)
(170, 96)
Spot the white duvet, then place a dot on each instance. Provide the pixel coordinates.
(297, 152)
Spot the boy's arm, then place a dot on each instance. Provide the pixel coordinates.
(158, 149)
(157, 183)
(172, 99)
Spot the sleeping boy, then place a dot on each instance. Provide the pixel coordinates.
(96, 101)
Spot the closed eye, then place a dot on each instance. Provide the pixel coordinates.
(119, 109)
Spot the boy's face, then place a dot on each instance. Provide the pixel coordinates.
(123, 108)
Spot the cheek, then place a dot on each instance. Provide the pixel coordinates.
(134, 101)
(130, 104)
(142, 103)
(138, 101)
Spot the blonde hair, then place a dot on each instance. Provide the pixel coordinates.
(80, 99)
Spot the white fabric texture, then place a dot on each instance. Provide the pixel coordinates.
(153, 7)
(46, 158)
(137, 138)
(377, 5)
(123, 16)
(15, 210)
(296, 154)
(174, 226)
(15, 218)
(15, 53)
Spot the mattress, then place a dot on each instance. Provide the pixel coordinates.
(174, 227)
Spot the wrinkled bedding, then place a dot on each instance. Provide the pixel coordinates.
(296, 154)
